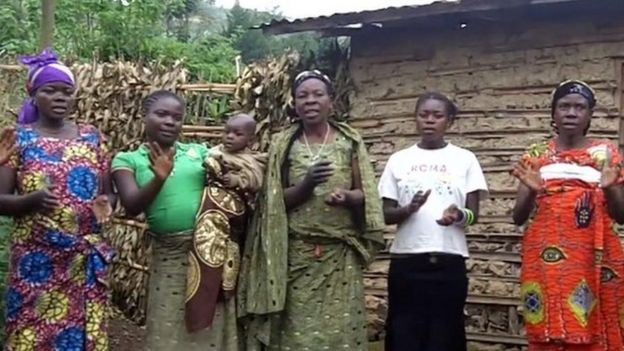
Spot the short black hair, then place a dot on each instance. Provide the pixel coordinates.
(451, 108)
(157, 95)
(250, 122)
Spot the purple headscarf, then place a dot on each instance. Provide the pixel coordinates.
(43, 69)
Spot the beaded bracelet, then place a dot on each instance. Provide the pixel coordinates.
(467, 218)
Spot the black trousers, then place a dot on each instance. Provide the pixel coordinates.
(427, 294)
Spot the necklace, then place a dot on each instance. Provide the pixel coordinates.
(318, 190)
(313, 157)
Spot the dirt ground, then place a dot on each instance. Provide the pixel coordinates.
(125, 335)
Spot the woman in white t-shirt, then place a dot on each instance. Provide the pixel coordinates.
(432, 191)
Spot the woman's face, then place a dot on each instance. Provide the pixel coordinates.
(572, 115)
(432, 119)
(55, 100)
(312, 102)
(163, 120)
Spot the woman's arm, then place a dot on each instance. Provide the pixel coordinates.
(473, 199)
(134, 199)
(107, 189)
(525, 203)
(15, 205)
(11, 204)
(611, 184)
(297, 194)
(395, 214)
(615, 202)
(355, 197)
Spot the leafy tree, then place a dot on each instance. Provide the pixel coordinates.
(121, 29)
(255, 45)
(47, 23)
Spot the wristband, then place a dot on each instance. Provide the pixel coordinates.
(467, 218)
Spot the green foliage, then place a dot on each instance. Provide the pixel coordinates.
(5, 228)
(211, 58)
(15, 35)
(121, 29)
(255, 45)
(166, 30)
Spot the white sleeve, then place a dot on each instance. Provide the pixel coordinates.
(475, 180)
(388, 184)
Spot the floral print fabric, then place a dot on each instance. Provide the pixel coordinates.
(57, 297)
(572, 287)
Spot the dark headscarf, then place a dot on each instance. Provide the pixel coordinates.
(573, 87)
(314, 74)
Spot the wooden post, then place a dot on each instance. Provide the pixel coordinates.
(47, 24)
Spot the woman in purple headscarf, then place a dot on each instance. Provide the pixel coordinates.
(55, 185)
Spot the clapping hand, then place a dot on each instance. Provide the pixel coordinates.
(610, 172)
(451, 215)
(161, 161)
(528, 175)
(102, 209)
(418, 200)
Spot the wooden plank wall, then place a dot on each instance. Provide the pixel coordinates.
(501, 76)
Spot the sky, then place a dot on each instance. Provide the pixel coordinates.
(301, 9)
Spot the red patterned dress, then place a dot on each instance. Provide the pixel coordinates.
(57, 297)
(573, 262)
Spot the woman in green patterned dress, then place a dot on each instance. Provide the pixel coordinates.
(318, 224)
(165, 179)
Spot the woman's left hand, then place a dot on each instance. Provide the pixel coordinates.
(342, 197)
(610, 172)
(449, 216)
(102, 209)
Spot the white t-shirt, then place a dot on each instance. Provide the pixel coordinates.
(450, 173)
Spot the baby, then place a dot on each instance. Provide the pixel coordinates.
(233, 177)
(233, 164)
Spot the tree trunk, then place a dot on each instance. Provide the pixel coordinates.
(47, 23)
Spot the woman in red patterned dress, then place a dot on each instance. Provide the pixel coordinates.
(54, 185)
(573, 262)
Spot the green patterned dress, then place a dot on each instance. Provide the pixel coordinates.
(325, 297)
(324, 253)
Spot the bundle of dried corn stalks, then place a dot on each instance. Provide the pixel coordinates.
(265, 89)
(129, 270)
(109, 96)
(12, 83)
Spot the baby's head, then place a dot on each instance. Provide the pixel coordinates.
(239, 132)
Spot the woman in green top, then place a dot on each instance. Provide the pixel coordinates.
(318, 223)
(165, 179)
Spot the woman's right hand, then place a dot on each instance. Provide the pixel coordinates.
(319, 173)
(44, 200)
(161, 161)
(528, 175)
(418, 200)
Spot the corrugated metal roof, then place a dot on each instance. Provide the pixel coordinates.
(390, 14)
(346, 18)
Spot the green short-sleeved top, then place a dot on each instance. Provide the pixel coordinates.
(177, 203)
